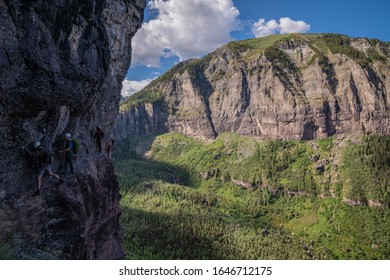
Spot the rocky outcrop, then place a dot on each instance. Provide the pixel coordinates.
(277, 87)
(62, 64)
(144, 119)
(76, 219)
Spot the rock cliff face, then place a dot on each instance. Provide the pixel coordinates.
(61, 68)
(277, 87)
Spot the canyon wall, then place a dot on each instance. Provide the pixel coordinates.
(62, 64)
(278, 87)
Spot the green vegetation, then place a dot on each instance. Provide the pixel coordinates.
(366, 167)
(283, 66)
(230, 200)
(257, 44)
(328, 69)
(191, 65)
(320, 43)
(375, 56)
(165, 221)
(325, 145)
(341, 44)
(197, 66)
(279, 58)
(141, 97)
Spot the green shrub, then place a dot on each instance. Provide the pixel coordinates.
(367, 169)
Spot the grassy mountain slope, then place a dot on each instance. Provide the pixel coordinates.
(236, 198)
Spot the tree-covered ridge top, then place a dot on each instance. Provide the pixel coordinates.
(259, 43)
(325, 41)
(270, 46)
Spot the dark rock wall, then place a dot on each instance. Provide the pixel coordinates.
(62, 64)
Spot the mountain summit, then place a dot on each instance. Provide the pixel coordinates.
(290, 86)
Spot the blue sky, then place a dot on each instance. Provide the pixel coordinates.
(176, 30)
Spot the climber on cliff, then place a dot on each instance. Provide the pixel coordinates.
(109, 146)
(68, 153)
(98, 136)
(42, 162)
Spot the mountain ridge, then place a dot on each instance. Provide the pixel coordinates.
(290, 86)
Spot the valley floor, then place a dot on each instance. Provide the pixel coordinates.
(225, 200)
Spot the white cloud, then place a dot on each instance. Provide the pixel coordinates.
(131, 87)
(186, 28)
(289, 26)
(262, 28)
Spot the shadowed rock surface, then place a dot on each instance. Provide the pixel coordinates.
(62, 64)
(276, 87)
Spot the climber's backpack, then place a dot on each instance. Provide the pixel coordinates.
(47, 157)
(75, 146)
